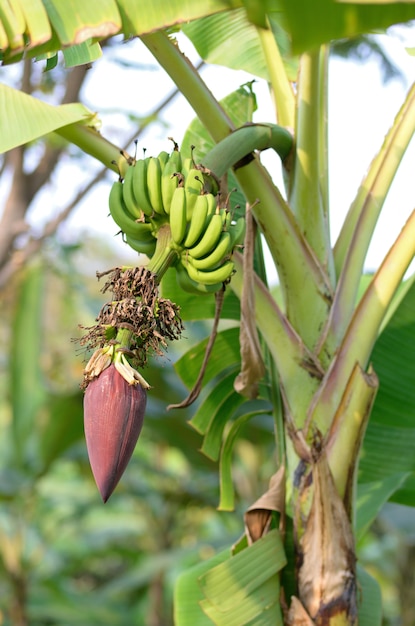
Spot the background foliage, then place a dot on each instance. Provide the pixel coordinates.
(63, 557)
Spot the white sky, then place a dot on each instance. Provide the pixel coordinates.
(361, 109)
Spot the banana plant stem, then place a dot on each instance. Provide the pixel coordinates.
(305, 286)
(296, 365)
(308, 196)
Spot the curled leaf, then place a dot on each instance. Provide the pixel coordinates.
(258, 516)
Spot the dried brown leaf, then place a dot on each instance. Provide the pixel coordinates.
(297, 615)
(327, 576)
(258, 516)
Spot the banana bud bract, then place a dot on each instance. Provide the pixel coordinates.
(113, 418)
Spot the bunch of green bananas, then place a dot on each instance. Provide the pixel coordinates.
(210, 238)
(168, 189)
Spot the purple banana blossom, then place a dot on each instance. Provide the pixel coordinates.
(113, 418)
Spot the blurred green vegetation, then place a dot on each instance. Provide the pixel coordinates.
(65, 558)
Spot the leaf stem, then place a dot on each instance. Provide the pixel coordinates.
(189, 82)
(93, 143)
(281, 86)
(351, 246)
(305, 286)
(293, 360)
(363, 329)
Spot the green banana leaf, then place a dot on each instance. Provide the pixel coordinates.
(225, 354)
(370, 599)
(45, 424)
(233, 590)
(389, 444)
(187, 592)
(76, 21)
(27, 388)
(50, 26)
(314, 23)
(29, 118)
(246, 412)
(212, 35)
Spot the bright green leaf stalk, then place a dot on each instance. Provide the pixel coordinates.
(354, 239)
(282, 90)
(308, 196)
(363, 329)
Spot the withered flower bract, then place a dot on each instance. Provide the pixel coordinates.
(113, 418)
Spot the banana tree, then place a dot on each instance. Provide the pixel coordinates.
(311, 359)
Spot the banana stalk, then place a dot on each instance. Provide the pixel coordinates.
(165, 254)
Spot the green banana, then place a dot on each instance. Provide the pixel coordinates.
(154, 174)
(187, 165)
(191, 286)
(194, 181)
(227, 221)
(193, 184)
(139, 245)
(163, 157)
(120, 214)
(198, 221)
(129, 197)
(209, 238)
(218, 254)
(237, 232)
(211, 277)
(169, 183)
(140, 187)
(211, 199)
(178, 221)
(176, 160)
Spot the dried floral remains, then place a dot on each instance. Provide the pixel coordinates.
(137, 307)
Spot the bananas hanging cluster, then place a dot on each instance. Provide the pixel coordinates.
(168, 190)
(211, 236)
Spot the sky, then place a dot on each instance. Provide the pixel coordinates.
(361, 108)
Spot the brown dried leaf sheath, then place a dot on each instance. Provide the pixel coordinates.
(327, 576)
(258, 516)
